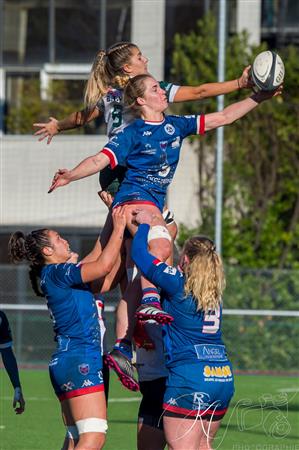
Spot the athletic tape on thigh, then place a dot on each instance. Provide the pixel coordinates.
(158, 232)
(72, 432)
(92, 425)
(132, 273)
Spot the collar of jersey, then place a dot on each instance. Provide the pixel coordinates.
(154, 122)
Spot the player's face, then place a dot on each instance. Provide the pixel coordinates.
(154, 96)
(60, 247)
(137, 64)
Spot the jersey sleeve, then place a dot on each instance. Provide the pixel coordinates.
(119, 146)
(170, 89)
(190, 124)
(5, 332)
(162, 275)
(66, 274)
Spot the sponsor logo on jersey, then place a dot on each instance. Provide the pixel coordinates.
(170, 270)
(112, 141)
(53, 362)
(84, 369)
(87, 383)
(169, 129)
(67, 386)
(147, 133)
(217, 372)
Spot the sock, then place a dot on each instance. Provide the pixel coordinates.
(151, 295)
(124, 346)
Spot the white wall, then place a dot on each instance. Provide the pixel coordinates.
(27, 168)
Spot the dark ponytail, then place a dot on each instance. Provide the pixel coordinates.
(21, 247)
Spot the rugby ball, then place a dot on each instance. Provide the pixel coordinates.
(267, 71)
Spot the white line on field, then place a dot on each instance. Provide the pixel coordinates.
(294, 389)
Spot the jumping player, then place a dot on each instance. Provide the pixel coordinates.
(76, 365)
(200, 383)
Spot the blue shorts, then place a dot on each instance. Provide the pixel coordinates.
(202, 389)
(76, 374)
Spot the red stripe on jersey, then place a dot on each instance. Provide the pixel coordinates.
(132, 202)
(111, 156)
(193, 412)
(201, 129)
(81, 391)
(157, 262)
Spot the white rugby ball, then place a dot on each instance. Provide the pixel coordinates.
(267, 71)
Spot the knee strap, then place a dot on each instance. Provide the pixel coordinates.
(92, 425)
(158, 232)
(72, 432)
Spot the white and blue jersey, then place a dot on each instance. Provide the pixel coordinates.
(150, 151)
(116, 117)
(200, 380)
(76, 365)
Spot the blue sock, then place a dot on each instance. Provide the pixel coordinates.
(150, 295)
(124, 346)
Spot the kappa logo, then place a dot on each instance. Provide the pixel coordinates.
(169, 129)
(172, 401)
(87, 383)
(67, 386)
(84, 369)
(147, 133)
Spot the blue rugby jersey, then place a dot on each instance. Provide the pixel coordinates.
(72, 307)
(150, 151)
(193, 335)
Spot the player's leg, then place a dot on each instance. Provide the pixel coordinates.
(150, 434)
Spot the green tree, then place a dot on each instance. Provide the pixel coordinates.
(261, 185)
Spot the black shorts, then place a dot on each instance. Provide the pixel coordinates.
(151, 406)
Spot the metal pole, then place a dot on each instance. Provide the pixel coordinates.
(220, 103)
(103, 14)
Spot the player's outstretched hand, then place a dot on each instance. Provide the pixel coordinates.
(47, 130)
(61, 178)
(261, 96)
(18, 401)
(245, 80)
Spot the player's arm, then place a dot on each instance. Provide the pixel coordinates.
(153, 269)
(237, 110)
(11, 367)
(74, 120)
(188, 93)
(89, 166)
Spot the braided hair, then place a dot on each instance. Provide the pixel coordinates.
(107, 70)
(30, 247)
(205, 279)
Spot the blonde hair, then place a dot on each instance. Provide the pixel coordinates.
(205, 279)
(107, 70)
(135, 88)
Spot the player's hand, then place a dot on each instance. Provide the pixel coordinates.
(144, 216)
(245, 80)
(261, 96)
(18, 401)
(119, 218)
(47, 130)
(106, 198)
(61, 178)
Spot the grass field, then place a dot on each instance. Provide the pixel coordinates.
(264, 415)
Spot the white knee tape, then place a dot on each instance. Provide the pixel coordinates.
(92, 425)
(72, 432)
(132, 273)
(158, 232)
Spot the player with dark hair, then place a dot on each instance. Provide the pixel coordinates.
(76, 365)
(10, 363)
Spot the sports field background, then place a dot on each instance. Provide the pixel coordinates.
(264, 415)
